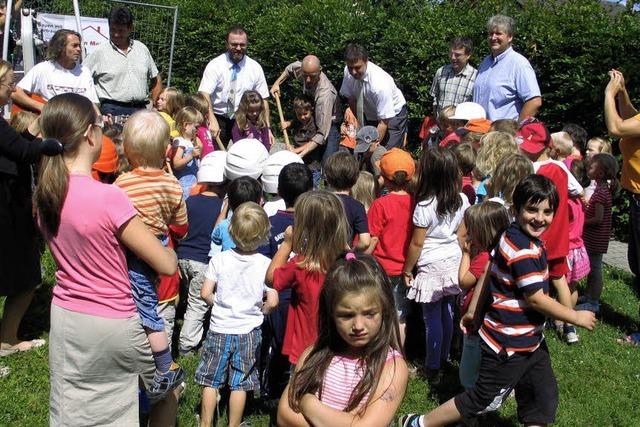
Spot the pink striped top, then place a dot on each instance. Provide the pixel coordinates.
(341, 377)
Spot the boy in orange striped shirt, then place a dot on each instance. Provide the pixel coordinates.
(157, 197)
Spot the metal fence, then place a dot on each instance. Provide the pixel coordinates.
(154, 24)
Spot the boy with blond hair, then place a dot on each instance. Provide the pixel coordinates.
(157, 197)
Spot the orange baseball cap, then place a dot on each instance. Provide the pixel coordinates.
(478, 125)
(396, 160)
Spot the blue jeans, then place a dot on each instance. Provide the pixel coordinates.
(332, 143)
(438, 325)
(143, 288)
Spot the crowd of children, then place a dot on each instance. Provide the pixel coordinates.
(299, 285)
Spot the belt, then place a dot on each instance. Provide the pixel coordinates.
(134, 104)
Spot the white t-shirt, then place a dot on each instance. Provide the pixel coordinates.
(382, 98)
(49, 79)
(237, 299)
(441, 241)
(216, 81)
(273, 206)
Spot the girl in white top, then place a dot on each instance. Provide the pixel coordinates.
(186, 153)
(354, 374)
(434, 250)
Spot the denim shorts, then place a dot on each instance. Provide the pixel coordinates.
(230, 359)
(402, 303)
(143, 287)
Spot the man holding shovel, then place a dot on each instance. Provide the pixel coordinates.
(316, 85)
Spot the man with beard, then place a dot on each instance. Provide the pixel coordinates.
(226, 78)
(60, 73)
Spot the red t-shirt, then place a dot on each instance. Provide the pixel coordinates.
(389, 219)
(556, 237)
(476, 268)
(302, 318)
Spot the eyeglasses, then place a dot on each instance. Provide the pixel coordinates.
(10, 86)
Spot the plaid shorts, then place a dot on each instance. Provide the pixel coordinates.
(230, 359)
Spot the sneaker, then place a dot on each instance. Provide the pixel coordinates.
(409, 420)
(434, 376)
(163, 383)
(590, 306)
(570, 335)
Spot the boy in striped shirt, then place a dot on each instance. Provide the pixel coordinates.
(157, 197)
(514, 354)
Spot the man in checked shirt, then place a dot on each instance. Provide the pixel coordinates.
(453, 83)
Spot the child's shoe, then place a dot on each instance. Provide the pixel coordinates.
(163, 383)
(409, 420)
(569, 334)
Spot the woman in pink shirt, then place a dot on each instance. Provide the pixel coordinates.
(98, 348)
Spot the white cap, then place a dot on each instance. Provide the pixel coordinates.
(468, 111)
(245, 158)
(273, 166)
(212, 167)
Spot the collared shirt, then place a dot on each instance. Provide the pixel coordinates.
(504, 84)
(382, 98)
(122, 76)
(49, 78)
(449, 88)
(216, 81)
(519, 268)
(325, 99)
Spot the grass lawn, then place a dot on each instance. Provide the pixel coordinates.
(598, 379)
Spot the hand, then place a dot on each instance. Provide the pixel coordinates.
(214, 128)
(275, 89)
(288, 235)
(343, 130)
(618, 73)
(586, 319)
(285, 125)
(615, 83)
(466, 323)
(196, 151)
(408, 278)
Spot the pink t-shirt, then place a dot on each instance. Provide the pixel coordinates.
(92, 273)
(207, 143)
(576, 223)
(341, 378)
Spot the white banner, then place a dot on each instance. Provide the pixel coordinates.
(95, 31)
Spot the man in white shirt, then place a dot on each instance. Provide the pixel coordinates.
(226, 78)
(60, 73)
(374, 97)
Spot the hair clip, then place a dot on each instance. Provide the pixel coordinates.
(350, 256)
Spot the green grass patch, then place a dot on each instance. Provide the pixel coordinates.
(597, 378)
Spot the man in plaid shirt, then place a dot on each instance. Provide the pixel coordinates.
(453, 82)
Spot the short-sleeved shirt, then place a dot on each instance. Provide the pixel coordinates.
(449, 88)
(238, 293)
(382, 98)
(216, 81)
(302, 318)
(202, 212)
(441, 241)
(122, 76)
(519, 268)
(49, 79)
(504, 84)
(390, 221)
(279, 223)
(630, 149)
(596, 237)
(221, 239)
(356, 215)
(92, 273)
(157, 196)
(479, 264)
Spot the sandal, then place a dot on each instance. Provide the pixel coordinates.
(4, 371)
(632, 340)
(21, 347)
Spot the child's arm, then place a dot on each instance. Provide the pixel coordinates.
(281, 257)
(287, 417)
(223, 212)
(206, 293)
(546, 305)
(271, 301)
(466, 280)
(413, 253)
(471, 320)
(372, 245)
(364, 240)
(597, 217)
(180, 162)
(380, 412)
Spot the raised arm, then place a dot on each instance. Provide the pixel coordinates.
(617, 125)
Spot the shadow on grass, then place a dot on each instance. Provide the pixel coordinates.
(610, 316)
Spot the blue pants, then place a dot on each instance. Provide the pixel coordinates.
(438, 324)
